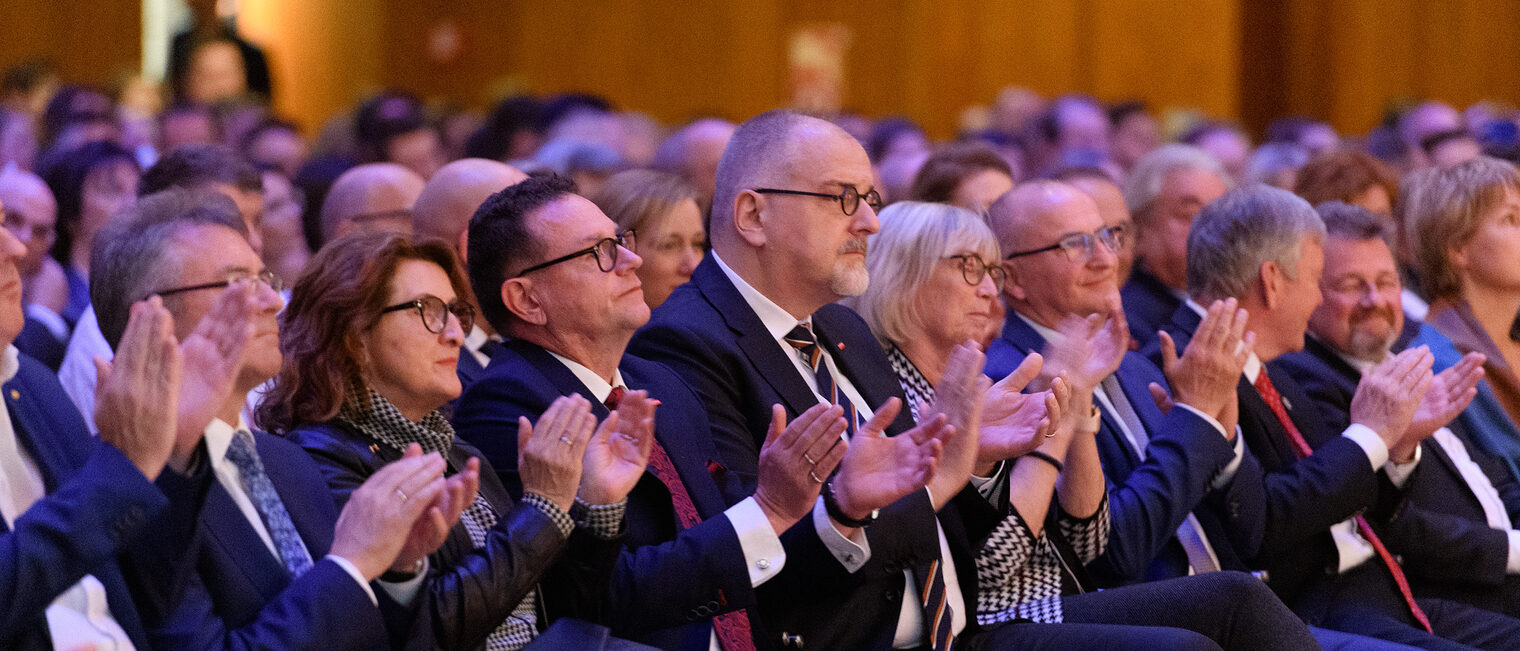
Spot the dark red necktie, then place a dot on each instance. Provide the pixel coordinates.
(732, 627)
(1301, 446)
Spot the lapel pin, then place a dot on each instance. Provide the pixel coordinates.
(841, 345)
(15, 395)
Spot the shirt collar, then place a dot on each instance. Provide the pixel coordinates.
(599, 387)
(1197, 307)
(476, 338)
(776, 320)
(1051, 337)
(10, 364)
(1253, 363)
(219, 437)
(1361, 365)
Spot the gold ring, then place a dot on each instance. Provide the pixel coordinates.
(814, 477)
(565, 440)
(810, 460)
(401, 495)
(1050, 433)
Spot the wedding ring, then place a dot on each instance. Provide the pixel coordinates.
(565, 440)
(810, 460)
(1050, 433)
(401, 495)
(814, 477)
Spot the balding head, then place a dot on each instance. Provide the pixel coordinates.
(761, 153)
(30, 205)
(373, 197)
(693, 153)
(450, 198)
(1046, 281)
(1016, 214)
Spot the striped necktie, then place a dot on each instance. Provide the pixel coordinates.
(802, 339)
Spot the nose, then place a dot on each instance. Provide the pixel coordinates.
(865, 219)
(988, 287)
(690, 259)
(628, 260)
(453, 330)
(10, 246)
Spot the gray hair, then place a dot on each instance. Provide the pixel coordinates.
(757, 147)
(1143, 185)
(132, 255)
(1273, 158)
(1235, 234)
(1355, 223)
(901, 257)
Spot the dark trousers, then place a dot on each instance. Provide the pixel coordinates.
(1365, 601)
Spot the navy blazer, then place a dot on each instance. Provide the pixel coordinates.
(221, 588)
(1149, 499)
(707, 334)
(1148, 305)
(97, 503)
(1304, 497)
(1442, 535)
(668, 581)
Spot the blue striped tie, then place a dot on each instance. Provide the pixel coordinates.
(801, 338)
(271, 510)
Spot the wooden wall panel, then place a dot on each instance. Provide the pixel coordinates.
(92, 41)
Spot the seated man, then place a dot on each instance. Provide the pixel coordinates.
(1264, 247)
(31, 215)
(1456, 531)
(375, 197)
(248, 559)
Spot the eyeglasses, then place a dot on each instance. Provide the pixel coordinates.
(974, 269)
(605, 251)
(849, 199)
(1079, 246)
(264, 276)
(435, 313)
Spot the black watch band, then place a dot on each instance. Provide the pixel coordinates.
(831, 505)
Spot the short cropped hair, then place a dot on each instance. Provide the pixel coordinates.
(1440, 209)
(758, 146)
(191, 166)
(131, 256)
(1355, 223)
(901, 258)
(1233, 235)
(500, 241)
(947, 168)
(1143, 185)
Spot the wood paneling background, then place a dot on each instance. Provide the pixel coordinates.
(1343, 60)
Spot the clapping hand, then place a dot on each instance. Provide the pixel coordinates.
(878, 470)
(796, 459)
(1389, 394)
(431, 529)
(1013, 422)
(213, 356)
(1451, 391)
(137, 394)
(549, 454)
(615, 458)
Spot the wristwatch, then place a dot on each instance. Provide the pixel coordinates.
(831, 505)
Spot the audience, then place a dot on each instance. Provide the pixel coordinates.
(790, 439)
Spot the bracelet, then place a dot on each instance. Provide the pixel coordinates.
(391, 576)
(831, 505)
(1047, 459)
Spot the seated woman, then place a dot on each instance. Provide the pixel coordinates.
(1461, 225)
(664, 210)
(370, 339)
(935, 275)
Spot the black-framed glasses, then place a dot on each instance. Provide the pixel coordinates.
(605, 251)
(1078, 247)
(849, 200)
(435, 313)
(263, 275)
(974, 269)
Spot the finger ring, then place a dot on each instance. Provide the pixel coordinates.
(565, 440)
(814, 477)
(401, 495)
(810, 460)
(1051, 433)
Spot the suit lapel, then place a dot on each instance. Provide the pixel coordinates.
(36, 436)
(316, 531)
(224, 526)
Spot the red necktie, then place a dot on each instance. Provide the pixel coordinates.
(732, 627)
(1274, 400)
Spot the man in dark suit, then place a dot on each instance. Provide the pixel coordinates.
(1172, 477)
(1263, 246)
(1164, 192)
(443, 212)
(250, 558)
(692, 562)
(1455, 533)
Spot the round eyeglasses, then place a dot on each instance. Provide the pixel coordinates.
(1079, 247)
(849, 200)
(605, 251)
(435, 313)
(974, 269)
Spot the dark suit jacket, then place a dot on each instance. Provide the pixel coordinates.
(708, 335)
(97, 503)
(470, 591)
(214, 584)
(1149, 499)
(1304, 497)
(1441, 533)
(1148, 304)
(668, 582)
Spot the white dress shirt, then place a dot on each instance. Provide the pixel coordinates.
(77, 372)
(81, 615)
(852, 552)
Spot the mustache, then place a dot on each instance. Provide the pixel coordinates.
(857, 245)
(1383, 311)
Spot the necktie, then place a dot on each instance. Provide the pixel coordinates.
(271, 510)
(938, 614)
(733, 627)
(1301, 446)
(802, 339)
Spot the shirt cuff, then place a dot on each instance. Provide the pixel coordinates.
(763, 553)
(1372, 444)
(1399, 473)
(1227, 474)
(989, 487)
(605, 521)
(1218, 427)
(405, 591)
(1513, 567)
(561, 519)
(852, 552)
(358, 578)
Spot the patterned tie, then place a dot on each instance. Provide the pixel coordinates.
(732, 628)
(271, 510)
(938, 614)
(1301, 446)
(802, 339)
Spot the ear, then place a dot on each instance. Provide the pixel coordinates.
(1013, 286)
(517, 295)
(1456, 256)
(1271, 281)
(749, 218)
(463, 246)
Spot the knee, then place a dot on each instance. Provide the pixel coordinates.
(1241, 586)
(1186, 640)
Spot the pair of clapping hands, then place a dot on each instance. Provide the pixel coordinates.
(155, 399)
